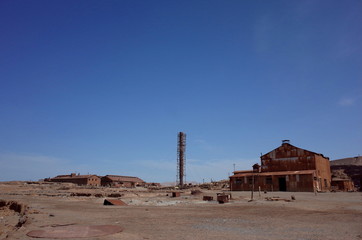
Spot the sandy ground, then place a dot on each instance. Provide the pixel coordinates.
(155, 215)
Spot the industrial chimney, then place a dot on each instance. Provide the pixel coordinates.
(181, 158)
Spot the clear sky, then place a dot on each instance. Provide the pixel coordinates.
(103, 87)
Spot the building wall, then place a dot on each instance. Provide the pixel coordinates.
(293, 183)
(92, 180)
(323, 171)
(79, 181)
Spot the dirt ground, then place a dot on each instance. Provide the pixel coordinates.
(156, 215)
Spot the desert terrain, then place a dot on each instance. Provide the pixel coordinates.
(155, 214)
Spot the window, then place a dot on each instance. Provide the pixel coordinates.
(325, 183)
(250, 180)
(238, 181)
(268, 180)
(297, 176)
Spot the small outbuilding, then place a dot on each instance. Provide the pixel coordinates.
(344, 185)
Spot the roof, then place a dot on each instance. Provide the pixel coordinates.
(284, 144)
(123, 178)
(243, 171)
(74, 176)
(302, 172)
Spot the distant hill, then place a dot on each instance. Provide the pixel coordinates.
(355, 161)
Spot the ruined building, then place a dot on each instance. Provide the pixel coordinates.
(286, 168)
(121, 181)
(347, 169)
(94, 180)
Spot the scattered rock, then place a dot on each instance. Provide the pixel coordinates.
(196, 192)
(115, 195)
(80, 194)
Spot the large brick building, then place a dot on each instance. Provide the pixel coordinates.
(92, 180)
(286, 168)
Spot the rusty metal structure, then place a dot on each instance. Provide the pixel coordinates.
(181, 159)
(115, 202)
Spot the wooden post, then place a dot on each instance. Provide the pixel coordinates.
(252, 189)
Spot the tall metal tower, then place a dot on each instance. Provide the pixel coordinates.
(181, 159)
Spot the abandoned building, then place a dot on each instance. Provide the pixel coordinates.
(344, 185)
(92, 180)
(350, 168)
(286, 168)
(121, 181)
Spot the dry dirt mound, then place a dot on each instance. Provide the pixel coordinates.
(12, 216)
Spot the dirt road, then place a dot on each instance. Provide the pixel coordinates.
(155, 215)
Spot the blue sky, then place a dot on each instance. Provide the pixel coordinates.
(103, 87)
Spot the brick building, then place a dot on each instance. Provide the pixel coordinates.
(92, 180)
(286, 168)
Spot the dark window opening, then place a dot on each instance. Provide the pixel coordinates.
(282, 184)
(250, 180)
(268, 180)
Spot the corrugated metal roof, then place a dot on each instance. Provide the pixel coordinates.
(302, 172)
(243, 171)
(319, 154)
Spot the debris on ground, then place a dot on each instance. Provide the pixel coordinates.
(277, 199)
(176, 194)
(195, 192)
(208, 198)
(116, 202)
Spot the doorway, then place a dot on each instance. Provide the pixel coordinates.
(282, 184)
